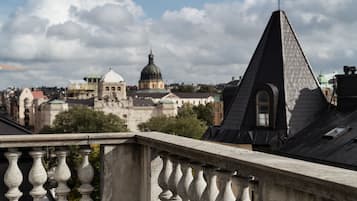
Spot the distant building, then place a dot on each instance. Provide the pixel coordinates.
(328, 83)
(151, 78)
(112, 87)
(83, 89)
(46, 113)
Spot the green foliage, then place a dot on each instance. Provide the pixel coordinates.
(185, 124)
(85, 120)
(184, 88)
(205, 113)
(186, 111)
(207, 89)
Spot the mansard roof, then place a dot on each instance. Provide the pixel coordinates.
(278, 60)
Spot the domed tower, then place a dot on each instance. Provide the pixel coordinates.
(112, 86)
(151, 77)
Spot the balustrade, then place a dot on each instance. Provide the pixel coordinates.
(189, 170)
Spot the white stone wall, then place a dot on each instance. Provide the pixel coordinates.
(47, 114)
(135, 115)
(192, 101)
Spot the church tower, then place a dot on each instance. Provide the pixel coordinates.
(151, 78)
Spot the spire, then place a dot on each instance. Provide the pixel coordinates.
(278, 60)
(278, 4)
(151, 57)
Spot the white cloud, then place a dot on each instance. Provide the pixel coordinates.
(56, 41)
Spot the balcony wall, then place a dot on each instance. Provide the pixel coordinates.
(156, 166)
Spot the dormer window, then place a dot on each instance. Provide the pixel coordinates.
(263, 109)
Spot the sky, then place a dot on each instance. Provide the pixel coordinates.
(194, 41)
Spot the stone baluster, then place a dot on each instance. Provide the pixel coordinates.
(85, 175)
(37, 175)
(198, 184)
(243, 183)
(225, 192)
(164, 177)
(175, 178)
(13, 176)
(62, 175)
(185, 181)
(211, 191)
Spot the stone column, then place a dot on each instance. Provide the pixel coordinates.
(164, 177)
(243, 182)
(186, 180)
(175, 177)
(37, 175)
(62, 175)
(198, 184)
(13, 176)
(85, 175)
(225, 193)
(211, 191)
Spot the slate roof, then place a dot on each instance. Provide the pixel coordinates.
(10, 127)
(278, 60)
(312, 144)
(141, 102)
(194, 95)
(85, 102)
(141, 94)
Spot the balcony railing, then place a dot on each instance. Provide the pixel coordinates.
(156, 166)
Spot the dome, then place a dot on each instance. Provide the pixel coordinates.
(322, 79)
(151, 71)
(111, 76)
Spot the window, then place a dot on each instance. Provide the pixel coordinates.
(119, 88)
(107, 88)
(263, 109)
(113, 88)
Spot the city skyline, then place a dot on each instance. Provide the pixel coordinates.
(202, 42)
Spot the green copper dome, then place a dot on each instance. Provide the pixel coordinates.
(322, 79)
(151, 71)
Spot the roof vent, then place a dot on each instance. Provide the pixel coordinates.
(334, 133)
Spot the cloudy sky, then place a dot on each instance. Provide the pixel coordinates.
(194, 41)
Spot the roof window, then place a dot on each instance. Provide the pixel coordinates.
(338, 131)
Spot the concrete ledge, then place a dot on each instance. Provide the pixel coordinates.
(271, 170)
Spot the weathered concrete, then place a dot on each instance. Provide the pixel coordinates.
(125, 173)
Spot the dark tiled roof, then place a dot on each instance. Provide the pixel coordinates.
(311, 144)
(85, 102)
(138, 94)
(9, 127)
(194, 95)
(137, 102)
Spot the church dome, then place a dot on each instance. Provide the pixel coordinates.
(151, 71)
(112, 77)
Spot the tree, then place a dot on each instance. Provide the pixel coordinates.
(204, 113)
(185, 124)
(84, 120)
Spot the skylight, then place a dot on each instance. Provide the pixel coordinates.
(334, 133)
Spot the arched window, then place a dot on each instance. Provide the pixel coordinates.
(263, 109)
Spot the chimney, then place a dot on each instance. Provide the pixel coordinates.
(346, 89)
